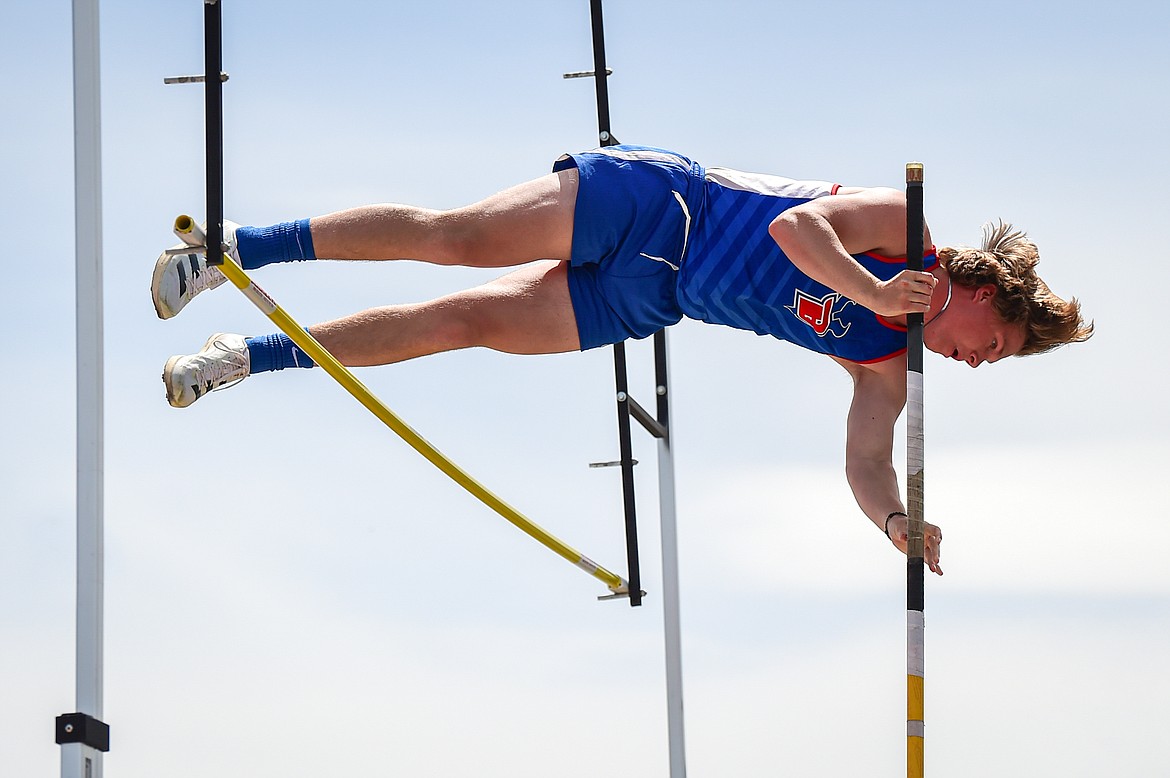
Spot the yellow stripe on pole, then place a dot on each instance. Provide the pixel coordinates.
(915, 744)
(914, 698)
(343, 376)
(915, 757)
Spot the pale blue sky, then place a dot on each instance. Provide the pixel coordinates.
(292, 591)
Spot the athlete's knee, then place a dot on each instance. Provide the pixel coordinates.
(455, 326)
(461, 236)
(487, 315)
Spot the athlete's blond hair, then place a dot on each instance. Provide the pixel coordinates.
(1008, 260)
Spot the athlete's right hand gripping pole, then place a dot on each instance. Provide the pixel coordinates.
(915, 451)
(189, 232)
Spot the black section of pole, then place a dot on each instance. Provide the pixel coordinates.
(213, 110)
(915, 584)
(605, 136)
(914, 253)
(915, 566)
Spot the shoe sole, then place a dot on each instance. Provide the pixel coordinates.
(172, 400)
(160, 268)
(168, 368)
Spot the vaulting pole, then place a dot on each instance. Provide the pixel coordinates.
(189, 232)
(211, 241)
(915, 451)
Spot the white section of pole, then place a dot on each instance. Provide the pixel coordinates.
(80, 761)
(672, 630)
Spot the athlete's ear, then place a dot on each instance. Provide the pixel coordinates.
(985, 292)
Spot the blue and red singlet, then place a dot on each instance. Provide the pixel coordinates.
(735, 274)
(657, 237)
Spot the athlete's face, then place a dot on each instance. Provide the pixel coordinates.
(970, 330)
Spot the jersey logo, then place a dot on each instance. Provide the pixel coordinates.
(821, 314)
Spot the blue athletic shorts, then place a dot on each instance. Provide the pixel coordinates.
(630, 227)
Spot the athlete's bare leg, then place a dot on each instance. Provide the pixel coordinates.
(527, 311)
(527, 222)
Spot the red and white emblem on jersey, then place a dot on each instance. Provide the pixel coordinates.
(820, 313)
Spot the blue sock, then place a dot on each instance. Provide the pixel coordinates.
(276, 352)
(284, 242)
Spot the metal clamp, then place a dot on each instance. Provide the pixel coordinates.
(85, 729)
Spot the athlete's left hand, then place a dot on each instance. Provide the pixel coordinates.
(900, 535)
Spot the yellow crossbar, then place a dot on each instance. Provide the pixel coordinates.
(190, 233)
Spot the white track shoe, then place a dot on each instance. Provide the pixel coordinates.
(222, 362)
(178, 277)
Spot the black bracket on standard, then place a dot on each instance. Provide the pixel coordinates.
(85, 729)
(657, 425)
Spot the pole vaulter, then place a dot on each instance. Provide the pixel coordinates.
(915, 450)
(196, 239)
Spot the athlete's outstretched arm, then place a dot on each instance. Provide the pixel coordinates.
(878, 398)
(819, 236)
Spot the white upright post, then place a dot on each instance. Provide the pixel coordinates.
(82, 738)
(672, 631)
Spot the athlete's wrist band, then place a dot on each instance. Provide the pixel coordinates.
(892, 515)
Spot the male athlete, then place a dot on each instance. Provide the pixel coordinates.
(620, 242)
